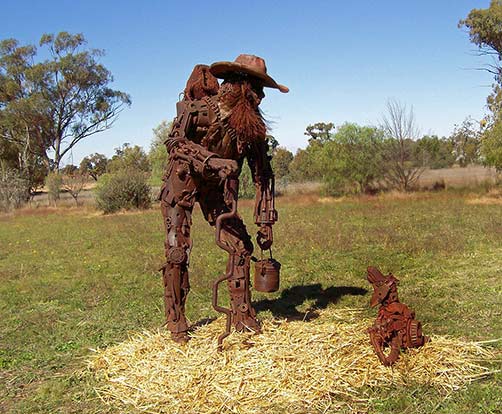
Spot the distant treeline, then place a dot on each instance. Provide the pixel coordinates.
(363, 159)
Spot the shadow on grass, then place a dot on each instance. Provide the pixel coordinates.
(285, 306)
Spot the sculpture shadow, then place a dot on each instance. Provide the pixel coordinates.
(285, 307)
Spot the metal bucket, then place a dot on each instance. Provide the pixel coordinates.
(266, 275)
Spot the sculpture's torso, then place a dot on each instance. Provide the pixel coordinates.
(211, 130)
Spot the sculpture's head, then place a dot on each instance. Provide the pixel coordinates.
(242, 92)
(384, 287)
(247, 67)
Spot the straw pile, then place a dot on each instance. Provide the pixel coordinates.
(292, 367)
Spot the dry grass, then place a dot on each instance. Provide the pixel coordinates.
(294, 367)
(492, 197)
(470, 176)
(300, 188)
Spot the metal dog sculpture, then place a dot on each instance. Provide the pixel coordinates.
(395, 326)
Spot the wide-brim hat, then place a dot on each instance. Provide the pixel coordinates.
(250, 65)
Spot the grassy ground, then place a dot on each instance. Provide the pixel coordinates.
(72, 279)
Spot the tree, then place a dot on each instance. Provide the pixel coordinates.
(485, 31)
(320, 132)
(307, 164)
(74, 183)
(491, 146)
(434, 152)
(23, 163)
(401, 131)
(281, 159)
(466, 142)
(69, 169)
(47, 107)
(129, 158)
(13, 190)
(158, 153)
(94, 165)
(353, 161)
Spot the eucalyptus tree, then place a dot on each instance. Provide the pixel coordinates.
(485, 31)
(49, 105)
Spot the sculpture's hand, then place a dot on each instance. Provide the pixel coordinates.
(265, 237)
(223, 167)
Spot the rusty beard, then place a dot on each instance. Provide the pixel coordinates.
(239, 101)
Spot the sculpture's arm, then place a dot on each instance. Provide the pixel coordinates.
(265, 214)
(201, 161)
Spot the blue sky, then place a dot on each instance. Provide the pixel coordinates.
(341, 60)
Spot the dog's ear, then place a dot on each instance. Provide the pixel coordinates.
(374, 275)
(201, 83)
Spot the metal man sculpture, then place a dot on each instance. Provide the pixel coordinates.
(215, 129)
(395, 325)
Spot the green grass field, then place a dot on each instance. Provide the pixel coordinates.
(73, 280)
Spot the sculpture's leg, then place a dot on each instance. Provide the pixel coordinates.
(234, 234)
(177, 221)
(377, 342)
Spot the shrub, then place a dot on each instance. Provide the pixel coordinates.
(246, 185)
(14, 190)
(158, 153)
(123, 190)
(53, 182)
(439, 185)
(351, 160)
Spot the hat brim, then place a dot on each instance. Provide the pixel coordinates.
(223, 69)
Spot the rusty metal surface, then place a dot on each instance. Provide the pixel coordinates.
(216, 129)
(395, 327)
(266, 276)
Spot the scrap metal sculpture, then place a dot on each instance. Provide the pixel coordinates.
(215, 130)
(395, 326)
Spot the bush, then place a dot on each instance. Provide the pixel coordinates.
(307, 164)
(123, 190)
(349, 162)
(53, 182)
(281, 160)
(14, 190)
(158, 153)
(246, 185)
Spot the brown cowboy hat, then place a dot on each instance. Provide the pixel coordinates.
(250, 65)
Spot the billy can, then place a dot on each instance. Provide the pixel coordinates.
(266, 275)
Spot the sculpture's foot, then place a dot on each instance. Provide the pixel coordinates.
(180, 337)
(247, 323)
